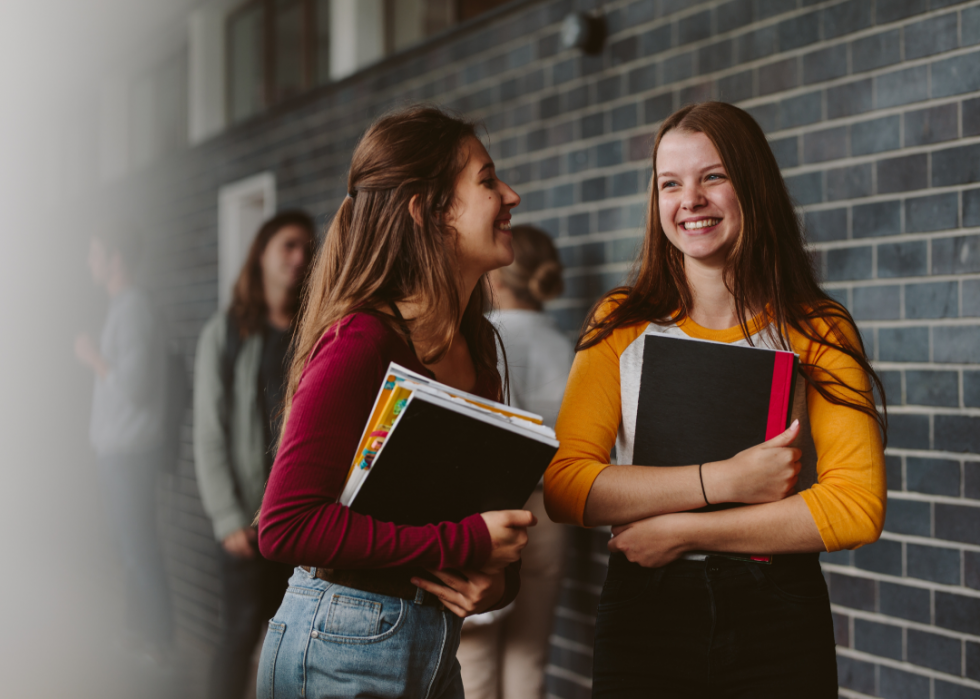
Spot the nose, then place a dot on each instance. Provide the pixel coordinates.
(693, 198)
(510, 197)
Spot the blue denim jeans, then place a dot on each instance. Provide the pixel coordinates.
(718, 628)
(328, 641)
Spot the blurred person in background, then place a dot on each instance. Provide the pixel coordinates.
(128, 429)
(238, 388)
(503, 653)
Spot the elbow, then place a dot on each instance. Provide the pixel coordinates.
(865, 526)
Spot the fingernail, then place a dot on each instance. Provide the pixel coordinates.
(415, 581)
(795, 423)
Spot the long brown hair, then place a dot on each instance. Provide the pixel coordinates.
(248, 306)
(377, 253)
(767, 268)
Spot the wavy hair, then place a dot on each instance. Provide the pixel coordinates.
(377, 253)
(767, 268)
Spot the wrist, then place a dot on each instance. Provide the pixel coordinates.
(682, 532)
(714, 478)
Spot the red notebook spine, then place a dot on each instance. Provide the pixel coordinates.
(782, 384)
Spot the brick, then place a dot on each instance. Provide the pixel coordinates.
(594, 189)
(765, 115)
(948, 690)
(579, 224)
(933, 563)
(609, 89)
(841, 631)
(779, 76)
(800, 110)
(848, 263)
(883, 640)
(971, 389)
(623, 51)
(971, 569)
(876, 51)
(876, 302)
(931, 36)
(893, 464)
(562, 195)
(875, 135)
(898, 684)
(957, 522)
(806, 189)
(957, 343)
(715, 57)
(755, 44)
(624, 117)
(656, 109)
(561, 134)
(549, 45)
(799, 31)
(959, 165)
(565, 71)
(734, 14)
(592, 125)
(878, 219)
(549, 107)
(656, 40)
(891, 10)
(639, 12)
(856, 675)
(642, 79)
(678, 68)
(829, 144)
(959, 433)
(931, 125)
(905, 345)
(850, 98)
(624, 184)
(902, 87)
(934, 300)
(956, 255)
(825, 64)
(973, 660)
(534, 201)
(786, 151)
(575, 99)
(902, 259)
(956, 75)
(849, 182)
(932, 213)
(549, 167)
(856, 593)
(971, 208)
(904, 602)
(825, 226)
(610, 153)
(971, 480)
(735, 88)
(970, 29)
(578, 161)
(841, 558)
(957, 612)
(694, 28)
(845, 18)
(936, 652)
(891, 381)
(902, 174)
(881, 557)
(770, 8)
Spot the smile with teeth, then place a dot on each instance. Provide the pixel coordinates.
(503, 225)
(703, 223)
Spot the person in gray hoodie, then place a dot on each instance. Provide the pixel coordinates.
(239, 380)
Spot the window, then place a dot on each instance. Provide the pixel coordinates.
(280, 48)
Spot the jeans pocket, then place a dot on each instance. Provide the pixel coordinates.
(800, 587)
(351, 619)
(266, 680)
(627, 583)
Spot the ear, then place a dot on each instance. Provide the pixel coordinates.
(415, 210)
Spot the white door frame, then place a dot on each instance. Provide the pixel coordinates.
(242, 207)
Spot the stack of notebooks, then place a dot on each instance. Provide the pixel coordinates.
(431, 453)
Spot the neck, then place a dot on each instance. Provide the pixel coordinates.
(412, 308)
(278, 301)
(714, 306)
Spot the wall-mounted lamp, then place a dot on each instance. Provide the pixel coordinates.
(585, 32)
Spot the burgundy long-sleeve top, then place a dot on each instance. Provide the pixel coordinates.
(302, 523)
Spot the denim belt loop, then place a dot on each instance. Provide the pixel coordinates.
(312, 571)
(419, 596)
(756, 573)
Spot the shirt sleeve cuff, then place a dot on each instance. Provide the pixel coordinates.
(479, 534)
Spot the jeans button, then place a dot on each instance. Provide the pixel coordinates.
(314, 634)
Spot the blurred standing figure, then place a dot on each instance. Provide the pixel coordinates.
(127, 429)
(239, 381)
(503, 654)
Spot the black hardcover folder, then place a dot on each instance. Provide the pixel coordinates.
(441, 464)
(703, 401)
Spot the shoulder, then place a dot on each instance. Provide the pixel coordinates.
(213, 332)
(622, 334)
(358, 335)
(825, 327)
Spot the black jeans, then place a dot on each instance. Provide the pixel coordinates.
(253, 590)
(715, 628)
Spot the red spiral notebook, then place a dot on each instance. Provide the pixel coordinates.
(704, 401)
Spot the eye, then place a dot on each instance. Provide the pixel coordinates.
(490, 181)
(668, 183)
(716, 176)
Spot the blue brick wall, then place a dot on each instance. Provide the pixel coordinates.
(873, 110)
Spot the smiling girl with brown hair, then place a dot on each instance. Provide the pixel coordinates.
(723, 260)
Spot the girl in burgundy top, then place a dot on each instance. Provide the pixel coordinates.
(397, 280)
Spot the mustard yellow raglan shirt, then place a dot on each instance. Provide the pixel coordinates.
(842, 479)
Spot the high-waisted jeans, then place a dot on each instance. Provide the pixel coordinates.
(715, 628)
(330, 641)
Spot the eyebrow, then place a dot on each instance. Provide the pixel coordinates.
(704, 169)
(486, 165)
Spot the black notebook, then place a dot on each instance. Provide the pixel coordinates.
(445, 456)
(704, 401)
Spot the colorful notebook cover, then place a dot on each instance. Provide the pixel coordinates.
(704, 401)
